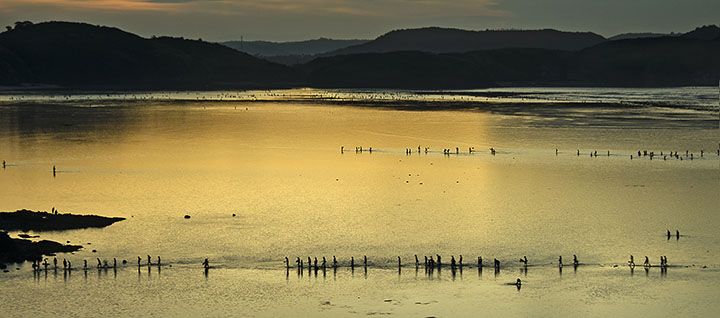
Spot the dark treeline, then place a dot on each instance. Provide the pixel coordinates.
(79, 55)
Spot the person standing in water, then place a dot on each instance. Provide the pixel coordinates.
(560, 264)
(206, 264)
(575, 260)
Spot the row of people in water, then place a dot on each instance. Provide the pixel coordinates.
(448, 151)
(429, 262)
(646, 263)
(38, 265)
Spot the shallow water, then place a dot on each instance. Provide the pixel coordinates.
(278, 167)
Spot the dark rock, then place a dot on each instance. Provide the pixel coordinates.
(20, 250)
(187, 216)
(26, 220)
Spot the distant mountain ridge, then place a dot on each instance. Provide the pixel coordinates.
(78, 55)
(627, 36)
(447, 40)
(309, 47)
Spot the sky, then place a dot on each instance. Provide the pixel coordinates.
(287, 20)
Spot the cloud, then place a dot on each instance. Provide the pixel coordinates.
(367, 8)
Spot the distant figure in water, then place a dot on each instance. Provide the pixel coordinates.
(334, 262)
(439, 260)
(524, 260)
(64, 264)
(342, 149)
(578, 152)
(556, 151)
(460, 263)
(631, 262)
(139, 261)
(3, 164)
(668, 234)
(99, 265)
(324, 262)
(85, 264)
(53, 170)
(560, 264)
(399, 263)
(365, 260)
(480, 264)
(518, 283)
(206, 264)
(647, 262)
(452, 261)
(352, 262)
(55, 262)
(417, 262)
(315, 265)
(575, 261)
(677, 234)
(114, 262)
(149, 260)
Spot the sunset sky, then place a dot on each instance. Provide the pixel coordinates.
(282, 20)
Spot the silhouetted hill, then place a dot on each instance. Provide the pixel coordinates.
(78, 54)
(664, 61)
(706, 32)
(442, 40)
(309, 47)
(413, 69)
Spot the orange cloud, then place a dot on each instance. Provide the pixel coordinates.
(93, 5)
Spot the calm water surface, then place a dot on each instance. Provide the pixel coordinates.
(277, 166)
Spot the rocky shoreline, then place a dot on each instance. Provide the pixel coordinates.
(14, 250)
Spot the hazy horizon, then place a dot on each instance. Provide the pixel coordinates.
(283, 20)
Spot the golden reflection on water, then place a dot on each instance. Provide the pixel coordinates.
(279, 168)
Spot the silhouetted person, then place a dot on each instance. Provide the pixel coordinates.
(365, 260)
(64, 264)
(334, 262)
(399, 263)
(439, 260)
(53, 171)
(159, 262)
(460, 262)
(315, 264)
(149, 260)
(3, 164)
(99, 265)
(417, 261)
(631, 262)
(114, 262)
(560, 264)
(55, 262)
(206, 264)
(677, 234)
(668, 234)
(352, 262)
(575, 260)
(324, 262)
(647, 262)
(139, 261)
(287, 262)
(524, 261)
(480, 264)
(452, 261)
